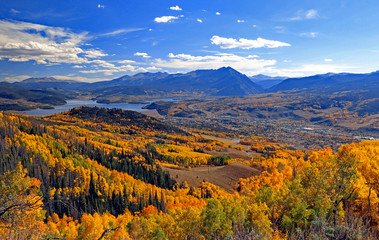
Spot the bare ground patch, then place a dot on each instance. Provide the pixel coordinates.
(225, 177)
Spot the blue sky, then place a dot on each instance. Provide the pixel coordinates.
(91, 40)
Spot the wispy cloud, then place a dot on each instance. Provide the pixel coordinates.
(309, 14)
(142, 54)
(241, 21)
(309, 34)
(218, 13)
(16, 78)
(14, 11)
(122, 31)
(165, 19)
(199, 20)
(280, 29)
(328, 60)
(176, 8)
(243, 43)
(100, 6)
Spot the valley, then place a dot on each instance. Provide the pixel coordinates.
(259, 160)
(341, 109)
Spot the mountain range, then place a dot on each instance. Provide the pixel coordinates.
(221, 82)
(331, 82)
(224, 81)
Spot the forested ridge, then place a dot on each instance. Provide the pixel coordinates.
(93, 173)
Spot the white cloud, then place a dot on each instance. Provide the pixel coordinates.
(142, 54)
(328, 60)
(309, 34)
(176, 8)
(93, 53)
(100, 6)
(79, 78)
(102, 63)
(199, 20)
(308, 70)
(188, 62)
(301, 15)
(109, 69)
(165, 19)
(243, 43)
(254, 26)
(22, 41)
(126, 61)
(121, 31)
(241, 21)
(218, 13)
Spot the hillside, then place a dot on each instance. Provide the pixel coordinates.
(123, 118)
(93, 173)
(14, 98)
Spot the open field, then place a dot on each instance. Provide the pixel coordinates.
(222, 176)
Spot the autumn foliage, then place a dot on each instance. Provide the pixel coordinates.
(95, 174)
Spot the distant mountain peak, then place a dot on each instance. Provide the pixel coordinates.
(227, 69)
(224, 81)
(149, 73)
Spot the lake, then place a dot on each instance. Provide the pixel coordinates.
(90, 103)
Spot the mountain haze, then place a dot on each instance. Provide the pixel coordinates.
(266, 81)
(50, 83)
(330, 81)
